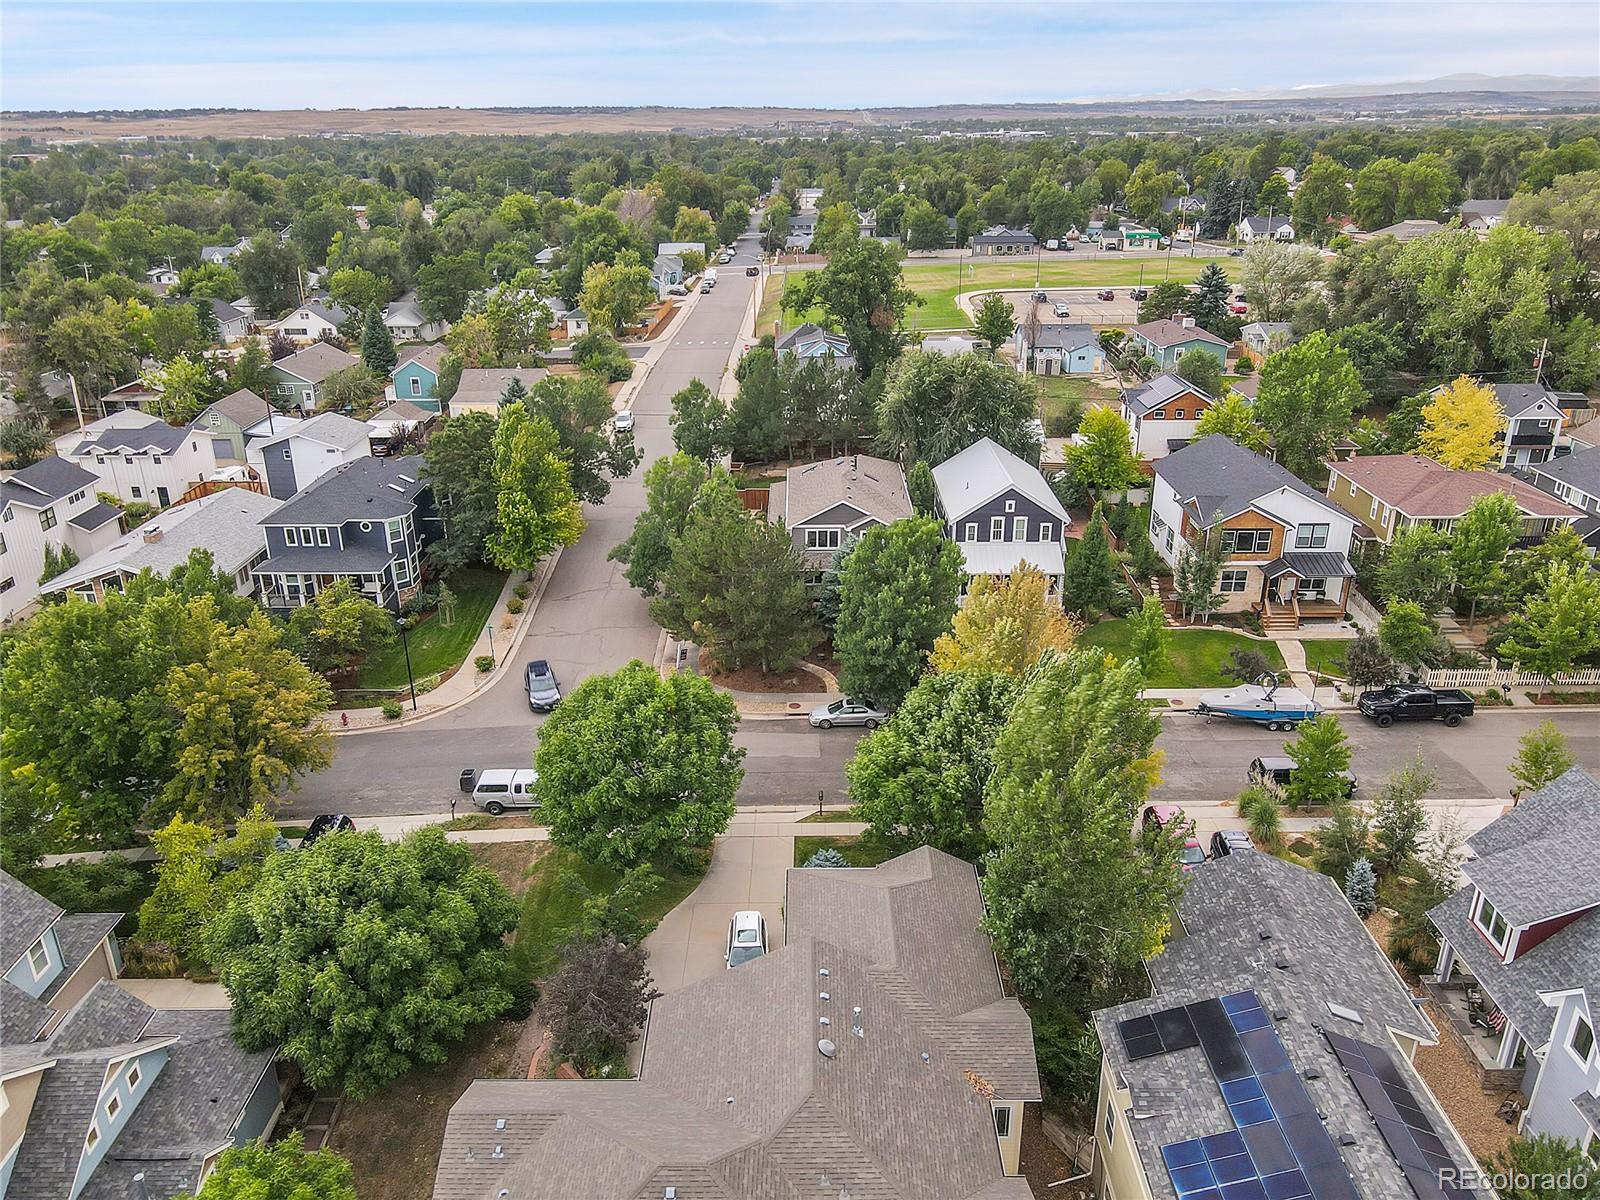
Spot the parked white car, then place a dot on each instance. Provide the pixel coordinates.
(623, 421)
(847, 712)
(497, 791)
(747, 938)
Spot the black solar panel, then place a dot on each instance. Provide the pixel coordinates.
(1176, 1029)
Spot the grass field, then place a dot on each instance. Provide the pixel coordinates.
(1326, 656)
(1059, 392)
(858, 852)
(434, 647)
(1195, 655)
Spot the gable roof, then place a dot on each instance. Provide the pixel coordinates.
(983, 471)
(333, 314)
(44, 482)
(1517, 398)
(225, 312)
(156, 436)
(1216, 478)
(24, 917)
(329, 428)
(362, 489)
(1064, 337)
(316, 362)
(1159, 390)
(1167, 332)
(1580, 469)
(1001, 234)
(1421, 487)
(875, 487)
(405, 311)
(485, 385)
(1406, 231)
(427, 357)
(1267, 330)
(1267, 224)
(243, 407)
(401, 410)
(810, 340)
(1483, 208)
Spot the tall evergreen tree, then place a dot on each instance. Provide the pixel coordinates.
(377, 347)
(1090, 584)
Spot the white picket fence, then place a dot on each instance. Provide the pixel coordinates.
(1496, 676)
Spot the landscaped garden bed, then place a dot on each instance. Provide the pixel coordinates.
(1196, 655)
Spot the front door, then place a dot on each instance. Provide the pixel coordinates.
(162, 498)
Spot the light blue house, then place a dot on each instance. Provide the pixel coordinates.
(105, 1095)
(1166, 341)
(1059, 349)
(416, 376)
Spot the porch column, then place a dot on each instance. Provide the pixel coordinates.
(1508, 1046)
(1447, 960)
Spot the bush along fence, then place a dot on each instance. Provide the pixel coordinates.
(1496, 676)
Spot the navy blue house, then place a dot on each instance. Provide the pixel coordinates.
(1001, 513)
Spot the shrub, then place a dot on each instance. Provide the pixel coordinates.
(391, 710)
(1247, 664)
(514, 605)
(520, 591)
(1361, 888)
(826, 857)
(484, 663)
(1262, 810)
(597, 1001)
(1069, 1056)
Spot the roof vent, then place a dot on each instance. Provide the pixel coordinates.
(499, 1151)
(926, 1057)
(670, 1194)
(826, 1048)
(499, 1123)
(1343, 1013)
(140, 1191)
(824, 996)
(824, 1021)
(1313, 1073)
(855, 1022)
(823, 971)
(1347, 1139)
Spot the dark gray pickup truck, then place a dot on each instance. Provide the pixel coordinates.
(1413, 702)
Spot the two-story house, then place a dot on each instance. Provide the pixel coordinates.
(666, 272)
(227, 420)
(297, 379)
(1166, 341)
(152, 462)
(416, 375)
(1058, 349)
(50, 505)
(102, 1095)
(1273, 1057)
(406, 322)
(1001, 513)
(1286, 547)
(1162, 414)
(813, 341)
(1480, 216)
(1574, 479)
(292, 461)
(825, 504)
(1391, 492)
(1536, 419)
(313, 319)
(366, 521)
(874, 1054)
(232, 323)
(1519, 955)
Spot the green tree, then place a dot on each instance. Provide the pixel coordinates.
(925, 227)
(862, 292)
(1150, 639)
(269, 273)
(699, 422)
(1309, 392)
(378, 354)
(338, 628)
(198, 872)
(597, 1002)
(24, 439)
(1546, 1167)
(1275, 275)
(1261, 806)
(458, 463)
(1234, 418)
(56, 560)
(1200, 368)
(1208, 303)
(1398, 818)
(252, 372)
(579, 408)
(694, 225)
(1368, 665)
(1007, 624)
(919, 781)
(1322, 195)
(363, 959)
(1074, 903)
(1090, 585)
(186, 386)
(1557, 626)
(671, 485)
(994, 321)
(1321, 755)
(775, 224)
(614, 294)
(356, 288)
(283, 1170)
(1543, 756)
(1166, 300)
(536, 507)
(1198, 572)
(897, 595)
(633, 767)
(936, 405)
(736, 585)
(1417, 566)
(920, 487)
(1480, 545)
(1340, 841)
(1528, 568)
(1408, 635)
(1103, 455)
(446, 284)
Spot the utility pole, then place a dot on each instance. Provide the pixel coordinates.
(72, 381)
(1538, 362)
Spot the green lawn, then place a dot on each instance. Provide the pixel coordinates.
(434, 647)
(1326, 656)
(858, 852)
(1060, 392)
(553, 905)
(1196, 655)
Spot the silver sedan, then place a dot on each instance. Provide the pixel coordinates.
(847, 712)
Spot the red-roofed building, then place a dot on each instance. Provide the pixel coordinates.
(1390, 492)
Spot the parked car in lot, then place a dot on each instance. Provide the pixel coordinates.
(1229, 841)
(752, 270)
(1276, 769)
(623, 421)
(1041, 297)
(1061, 310)
(1413, 702)
(495, 791)
(1105, 294)
(847, 712)
(1238, 308)
(747, 938)
(544, 693)
(1139, 294)
(327, 823)
(1236, 253)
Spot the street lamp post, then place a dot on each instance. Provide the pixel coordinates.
(405, 644)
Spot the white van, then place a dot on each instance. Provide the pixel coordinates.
(498, 790)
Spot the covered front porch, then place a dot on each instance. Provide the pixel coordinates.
(1304, 586)
(1002, 559)
(1493, 1043)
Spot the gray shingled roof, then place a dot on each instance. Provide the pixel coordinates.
(316, 362)
(1580, 470)
(98, 514)
(983, 471)
(22, 1018)
(427, 356)
(1588, 1106)
(485, 385)
(157, 436)
(331, 428)
(365, 489)
(24, 916)
(1064, 337)
(874, 486)
(1216, 478)
(79, 935)
(1158, 391)
(1166, 332)
(1227, 906)
(46, 481)
(243, 407)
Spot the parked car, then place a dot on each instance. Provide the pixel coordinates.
(1236, 253)
(327, 823)
(707, 286)
(747, 938)
(677, 289)
(1191, 856)
(1238, 308)
(1228, 841)
(1061, 310)
(848, 712)
(497, 790)
(1069, 247)
(1105, 294)
(725, 257)
(752, 271)
(1139, 294)
(1159, 816)
(1413, 702)
(1041, 297)
(544, 693)
(623, 421)
(1276, 769)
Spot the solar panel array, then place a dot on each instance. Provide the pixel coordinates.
(1401, 1119)
(1278, 1149)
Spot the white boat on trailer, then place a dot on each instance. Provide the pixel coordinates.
(1263, 702)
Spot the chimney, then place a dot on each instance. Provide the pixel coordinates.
(152, 535)
(1188, 322)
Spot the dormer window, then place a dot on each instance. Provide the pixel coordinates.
(1582, 1041)
(1491, 923)
(38, 959)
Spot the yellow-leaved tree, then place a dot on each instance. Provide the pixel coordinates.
(1460, 425)
(1006, 625)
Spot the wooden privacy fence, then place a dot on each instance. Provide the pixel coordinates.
(1495, 676)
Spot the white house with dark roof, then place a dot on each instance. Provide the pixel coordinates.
(1574, 479)
(150, 462)
(999, 241)
(1273, 1057)
(406, 322)
(51, 504)
(876, 1049)
(232, 323)
(825, 504)
(313, 319)
(1001, 513)
(1536, 420)
(813, 341)
(1162, 414)
(291, 462)
(1276, 228)
(1523, 937)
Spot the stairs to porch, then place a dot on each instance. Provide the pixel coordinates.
(1278, 617)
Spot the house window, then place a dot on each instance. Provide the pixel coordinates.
(1111, 1123)
(1246, 541)
(1011, 506)
(1047, 531)
(1492, 924)
(1582, 1041)
(290, 538)
(76, 497)
(308, 536)
(288, 454)
(402, 571)
(997, 529)
(156, 460)
(1019, 529)
(366, 527)
(38, 959)
(1177, 414)
(7, 584)
(396, 531)
(92, 1140)
(214, 420)
(9, 514)
(416, 385)
(970, 532)
(1375, 507)
(137, 491)
(322, 535)
(1351, 485)
(1231, 581)
(1158, 415)
(1002, 1122)
(100, 460)
(134, 1075)
(1312, 589)
(822, 539)
(1311, 537)
(128, 459)
(113, 1107)
(47, 518)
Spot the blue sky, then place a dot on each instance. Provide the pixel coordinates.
(379, 53)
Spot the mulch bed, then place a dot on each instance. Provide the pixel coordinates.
(1044, 1163)
(753, 679)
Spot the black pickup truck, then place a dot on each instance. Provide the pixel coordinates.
(1413, 702)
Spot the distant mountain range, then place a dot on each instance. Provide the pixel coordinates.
(1562, 84)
